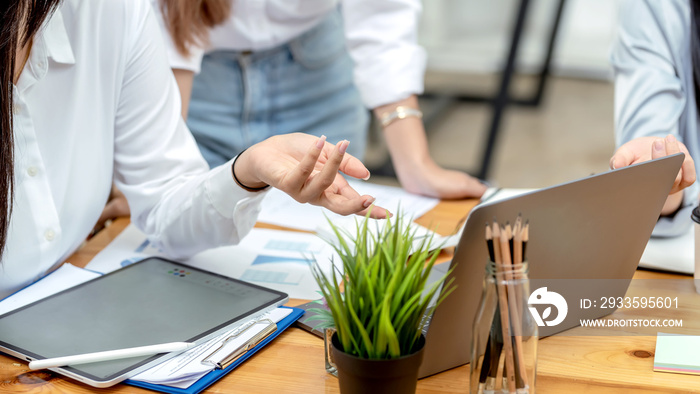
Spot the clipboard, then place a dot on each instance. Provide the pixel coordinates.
(210, 378)
(129, 308)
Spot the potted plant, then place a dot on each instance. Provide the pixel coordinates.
(377, 304)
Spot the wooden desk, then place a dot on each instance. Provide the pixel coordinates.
(294, 362)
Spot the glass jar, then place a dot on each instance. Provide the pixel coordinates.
(330, 364)
(504, 342)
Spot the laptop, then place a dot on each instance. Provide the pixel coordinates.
(593, 228)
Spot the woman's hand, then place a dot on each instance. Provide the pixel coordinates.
(117, 206)
(647, 148)
(307, 168)
(415, 168)
(429, 179)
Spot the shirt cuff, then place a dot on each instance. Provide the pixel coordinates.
(391, 76)
(231, 201)
(193, 62)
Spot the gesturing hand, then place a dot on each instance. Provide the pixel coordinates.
(307, 168)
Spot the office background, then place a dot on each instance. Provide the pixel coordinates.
(567, 136)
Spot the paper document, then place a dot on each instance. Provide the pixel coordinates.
(185, 369)
(274, 259)
(130, 246)
(494, 194)
(347, 227)
(675, 254)
(281, 209)
(61, 279)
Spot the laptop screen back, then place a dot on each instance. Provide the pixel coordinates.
(593, 228)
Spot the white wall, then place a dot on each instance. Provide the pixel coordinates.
(474, 35)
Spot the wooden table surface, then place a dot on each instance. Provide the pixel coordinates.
(294, 362)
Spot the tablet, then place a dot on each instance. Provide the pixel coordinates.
(150, 302)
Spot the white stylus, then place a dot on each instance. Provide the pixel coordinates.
(110, 355)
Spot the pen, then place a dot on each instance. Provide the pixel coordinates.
(243, 348)
(110, 355)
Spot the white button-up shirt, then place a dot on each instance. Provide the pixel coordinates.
(381, 37)
(96, 101)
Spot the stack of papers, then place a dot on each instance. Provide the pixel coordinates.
(677, 354)
(61, 279)
(347, 226)
(273, 258)
(188, 367)
(281, 209)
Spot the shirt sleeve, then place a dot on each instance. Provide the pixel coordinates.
(649, 95)
(382, 41)
(174, 198)
(649, 98)
(192, 62)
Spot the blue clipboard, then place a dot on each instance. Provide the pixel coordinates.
(209, 379)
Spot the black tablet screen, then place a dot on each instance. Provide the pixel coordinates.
(150, 302)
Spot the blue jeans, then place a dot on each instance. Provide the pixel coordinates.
(306, 85)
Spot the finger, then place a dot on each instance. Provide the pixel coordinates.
(341, 204)
(104, 217)
(353, 167)
(687, 168)
(115, 208)
(375, 212)
(658, 148)
(340, 197)
(622, 158)
(671, 146)
(328, 174)
(295, 180)
(359, 206)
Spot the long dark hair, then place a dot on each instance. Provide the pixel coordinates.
(19, 21)
(695, 48)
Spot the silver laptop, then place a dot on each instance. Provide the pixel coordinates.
(593, 228)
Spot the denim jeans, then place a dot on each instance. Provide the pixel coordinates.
(306, 85)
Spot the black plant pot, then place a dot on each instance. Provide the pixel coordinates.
(362, 375)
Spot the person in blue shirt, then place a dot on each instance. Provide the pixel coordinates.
(656, 60)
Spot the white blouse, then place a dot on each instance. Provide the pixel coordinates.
(381, 37)
(96, 101)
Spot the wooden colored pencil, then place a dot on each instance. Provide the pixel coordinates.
(489, 242)
(496, 339)
(501, 253)
(506, 246)
(513, 307)
(526, 237)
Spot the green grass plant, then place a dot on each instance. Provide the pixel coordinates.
(377, 302)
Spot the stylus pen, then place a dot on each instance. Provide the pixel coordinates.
(110, 355)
